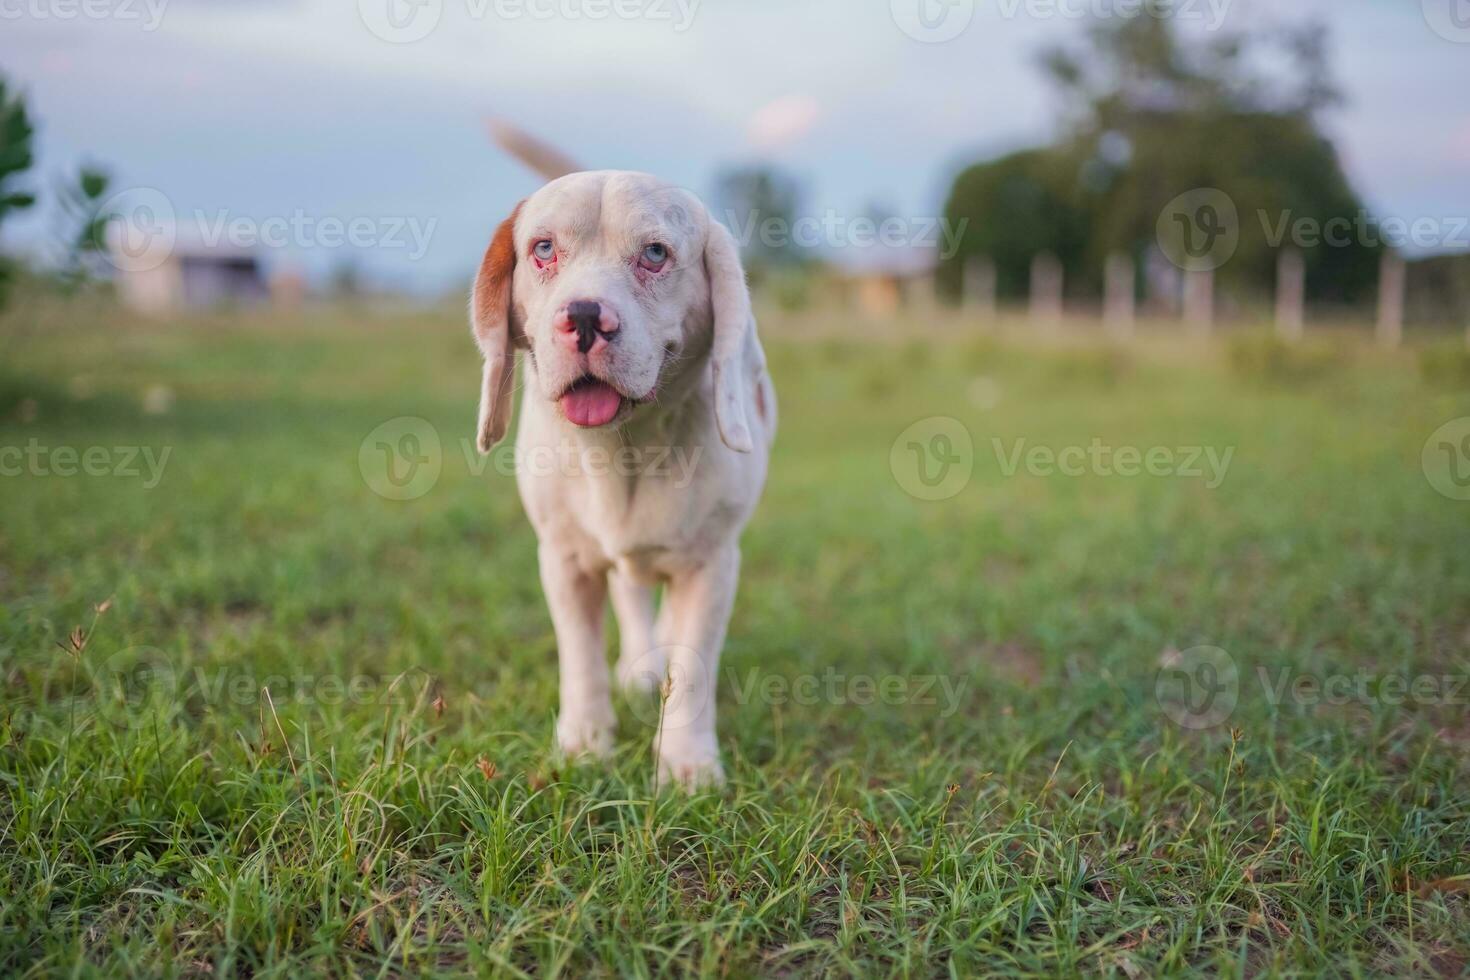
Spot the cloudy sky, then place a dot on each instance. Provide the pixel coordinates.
(372, 110)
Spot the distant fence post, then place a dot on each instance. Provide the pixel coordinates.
(922, 293)
(1046, 290)
(1118, 303)
(979, 286)
(1160, 283)
(1199, 301)
(1391, 300)
(1291, 292)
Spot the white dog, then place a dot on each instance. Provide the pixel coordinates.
(631, 305)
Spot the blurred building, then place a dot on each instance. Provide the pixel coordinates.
(189, 277)
(881, 280)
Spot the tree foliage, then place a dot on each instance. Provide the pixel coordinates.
(761, 204)
(16, 158)
(83, 217)
(1148, 117)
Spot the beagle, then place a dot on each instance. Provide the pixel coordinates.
(631, 306)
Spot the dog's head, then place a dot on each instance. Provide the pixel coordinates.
(617, 284)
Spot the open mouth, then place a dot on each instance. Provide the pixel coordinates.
(591, 402)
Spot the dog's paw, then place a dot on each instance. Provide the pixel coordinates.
(642, 674)
(586, 737)
(690, 765)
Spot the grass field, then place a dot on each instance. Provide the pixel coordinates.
(312, 727)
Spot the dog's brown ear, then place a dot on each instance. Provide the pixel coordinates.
(730, 299)
(490, 318)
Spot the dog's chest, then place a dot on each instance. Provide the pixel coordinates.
(650, 527)
(647, 526)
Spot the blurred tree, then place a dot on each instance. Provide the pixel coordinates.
(82, 237)
(15, 159)
(1439, 290)
(1149, 117)
(345, 282)
(1018, 206)
(761, 205)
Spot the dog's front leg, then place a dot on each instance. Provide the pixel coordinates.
(700, 603)
(586, 723)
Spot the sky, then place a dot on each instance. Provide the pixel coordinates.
(264, 122)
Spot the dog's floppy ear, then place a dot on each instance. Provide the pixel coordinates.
(730, 299)
(490, 318)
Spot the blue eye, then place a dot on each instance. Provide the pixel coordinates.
(655, 255)
(544, 250)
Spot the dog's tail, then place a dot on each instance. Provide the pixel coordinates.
(542, 158)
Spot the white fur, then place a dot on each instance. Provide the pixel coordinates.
(688, 340)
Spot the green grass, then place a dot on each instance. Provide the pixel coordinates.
(1056, 821)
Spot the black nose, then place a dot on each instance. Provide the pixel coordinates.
(586, 317)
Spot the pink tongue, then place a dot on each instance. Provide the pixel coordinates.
(591, 405)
